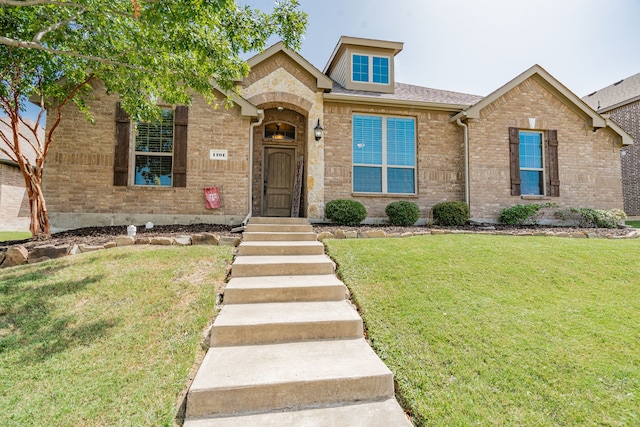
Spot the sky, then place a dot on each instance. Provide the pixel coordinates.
(476, 46)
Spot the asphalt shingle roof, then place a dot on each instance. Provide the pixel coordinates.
(26, 148)
(406, 92)
(615, 94)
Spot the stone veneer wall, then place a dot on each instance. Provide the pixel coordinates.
(14, 202)
(589, 164)
(78, 179)
(439, 169)
(628, 118)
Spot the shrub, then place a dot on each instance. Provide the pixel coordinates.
(402, 213)
(345, 212)
(600, 218)
(451, 213)
(520, 214)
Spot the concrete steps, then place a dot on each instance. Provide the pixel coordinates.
(247, 324)
(243, 379)
(279, 265)
(246, 290)
(383, 413)
(281, 248)
(287, 348)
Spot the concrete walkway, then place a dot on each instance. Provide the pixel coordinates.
(287, 348)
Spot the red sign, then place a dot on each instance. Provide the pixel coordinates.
(212, 197)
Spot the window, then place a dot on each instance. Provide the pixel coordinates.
(531, 163)
(278, 130)
(379, 66)
(154, 151)
(384, 154)
(534, 163)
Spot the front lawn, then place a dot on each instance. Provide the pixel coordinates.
(6, 236)
(635, 224)
(106, 338)
(501, 330)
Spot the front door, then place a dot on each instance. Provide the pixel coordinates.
(279, 173)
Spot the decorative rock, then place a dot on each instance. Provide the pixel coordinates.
(2, 254)
(162, 241)
(422, 233)
(110, 245)
(204, 239)
(407, 234)
(75, 250)
(89, 248)
(143, 240)
(633, 234)
(125, 240)
(182, 240)
(525, 233)
(488, 227)
(325, 235)
(592, 235)
(351, 235)
(372, 234)
(340, 234)
(229, 241)
(579, 235)
(435, 231)
(393, 235)
(16, 255)
(43, 253)
(563, 234)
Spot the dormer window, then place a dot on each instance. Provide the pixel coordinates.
(370, 69)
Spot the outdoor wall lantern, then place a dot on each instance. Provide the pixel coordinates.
(317, 131)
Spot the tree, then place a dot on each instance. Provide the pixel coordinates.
(143, 50)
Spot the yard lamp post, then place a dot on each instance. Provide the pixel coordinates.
(317, 131)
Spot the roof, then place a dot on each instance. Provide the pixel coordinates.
(613, 96)
(27, 150)
(405, 94)
(548, 81)
(322, 81)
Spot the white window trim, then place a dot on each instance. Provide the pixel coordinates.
(544, 162)
(370, 75)
(384, 166)
(134, 153)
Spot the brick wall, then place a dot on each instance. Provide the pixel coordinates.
(589, 165)
(14, 203)
(78, 178)
(440, 166)
(628, 118)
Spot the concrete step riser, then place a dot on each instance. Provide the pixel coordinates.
(229, 401)
(289, 269)
(279, 237)
(278, 220)
(246, 248)
(278, 228)
(285, 294)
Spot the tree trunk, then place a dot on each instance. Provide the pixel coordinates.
(39, 227)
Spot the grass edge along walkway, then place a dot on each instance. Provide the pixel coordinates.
(105, 338)
(501, 330)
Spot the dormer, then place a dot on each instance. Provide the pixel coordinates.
(364, 64)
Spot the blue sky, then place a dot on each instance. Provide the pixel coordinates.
(476, 46)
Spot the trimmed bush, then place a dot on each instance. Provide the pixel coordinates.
(402, 213)
(451, 213)
(345, 212)
(519, 214)
(600, 218)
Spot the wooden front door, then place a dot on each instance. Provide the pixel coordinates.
(279, 173)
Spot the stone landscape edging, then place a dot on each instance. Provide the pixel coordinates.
(19, 255)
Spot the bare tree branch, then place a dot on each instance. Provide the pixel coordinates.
(41, 33)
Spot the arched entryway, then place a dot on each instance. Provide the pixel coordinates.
(279, 159)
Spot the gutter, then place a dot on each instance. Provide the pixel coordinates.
(466, 160)
(251, 133)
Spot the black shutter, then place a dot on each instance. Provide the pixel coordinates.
(121, 155)
(552, 163)
(181, 118)
(514, 160)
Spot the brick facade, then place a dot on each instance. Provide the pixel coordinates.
(628, 118)
(588, 161)
(14, 202)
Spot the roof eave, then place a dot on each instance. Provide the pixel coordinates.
(389, 102)
(619, 104)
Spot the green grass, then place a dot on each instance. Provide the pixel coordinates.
(105, 338)
(497, 330)
(635, 224)
(5, 236)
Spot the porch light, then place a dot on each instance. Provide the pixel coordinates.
(317, 131)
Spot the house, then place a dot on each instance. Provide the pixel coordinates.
(377, 141)
(14, 201)
(621, 102)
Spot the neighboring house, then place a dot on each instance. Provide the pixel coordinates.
(621, 102)
(532, 140)
(14, 201)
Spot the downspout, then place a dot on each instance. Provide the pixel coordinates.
(251, 132)
(466, 161)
